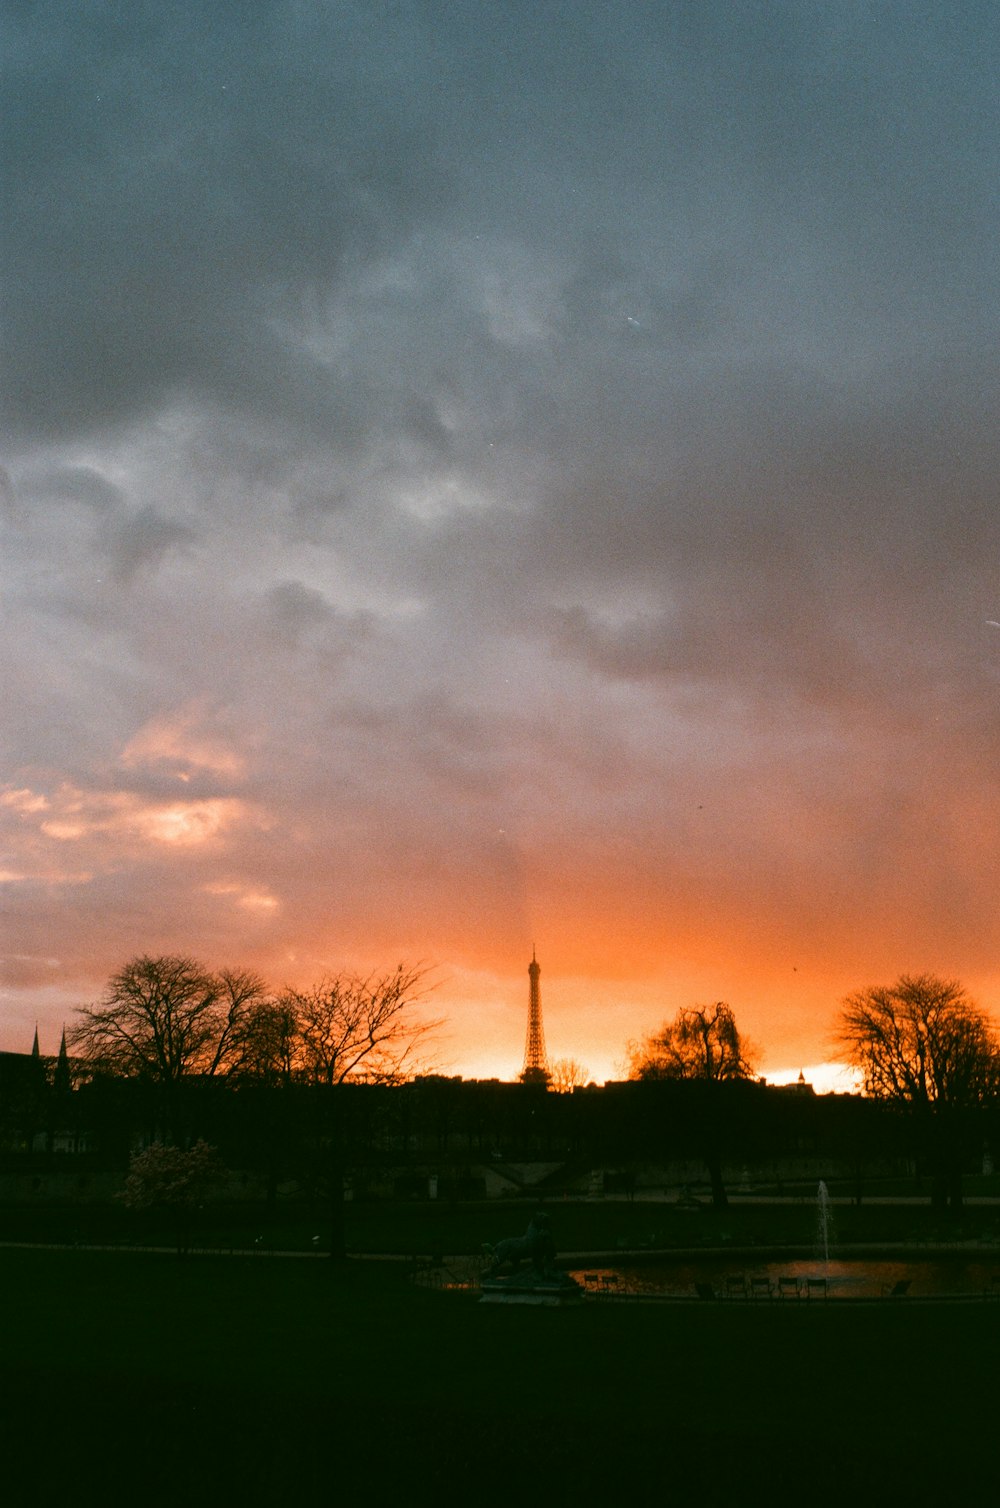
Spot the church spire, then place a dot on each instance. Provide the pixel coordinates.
(62, 1082)
(35, 1051)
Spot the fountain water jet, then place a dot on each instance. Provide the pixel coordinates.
(824, 1220)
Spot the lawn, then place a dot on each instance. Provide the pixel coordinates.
(424, 1227)
(129, 1377)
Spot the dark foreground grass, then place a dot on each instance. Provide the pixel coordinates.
(130, 1378)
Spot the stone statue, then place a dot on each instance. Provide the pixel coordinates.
(536, 1246)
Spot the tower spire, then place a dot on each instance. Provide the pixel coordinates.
(536, 1068)
(62, 1082)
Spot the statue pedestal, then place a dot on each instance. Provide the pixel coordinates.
(554, 1290)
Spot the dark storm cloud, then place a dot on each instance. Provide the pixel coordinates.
(463, 456)
(180, 178)
(174, 170)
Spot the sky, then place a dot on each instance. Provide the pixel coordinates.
(481, 476)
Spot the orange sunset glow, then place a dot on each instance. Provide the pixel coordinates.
(471, 488)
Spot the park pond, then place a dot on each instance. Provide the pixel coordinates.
(808, 1278)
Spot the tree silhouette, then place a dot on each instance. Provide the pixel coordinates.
(166, 1019)
(566, 1074)
(922, 1044)
(702, 1042)
(351, 1026)
(703, 1045)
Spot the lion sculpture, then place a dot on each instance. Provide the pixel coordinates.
(535, 1246)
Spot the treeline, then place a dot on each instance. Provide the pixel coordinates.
(167, 1019)
(921, 1046)
(322, 1078)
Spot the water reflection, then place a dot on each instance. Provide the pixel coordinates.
(797, 1280)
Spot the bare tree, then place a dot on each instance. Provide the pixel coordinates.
(268, 1044)
(156, 1020)
(921, 1043)
(242, 1003)
(359, 1027)
(353, 1028)
(566, 1074)
(702, 1044)
(166, 1019)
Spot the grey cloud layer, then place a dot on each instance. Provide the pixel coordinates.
(445, 429)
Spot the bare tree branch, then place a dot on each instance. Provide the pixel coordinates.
(167, 1018)
(157, 1020)
(360, 1027)
(567, 1074)
(921, 1041)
